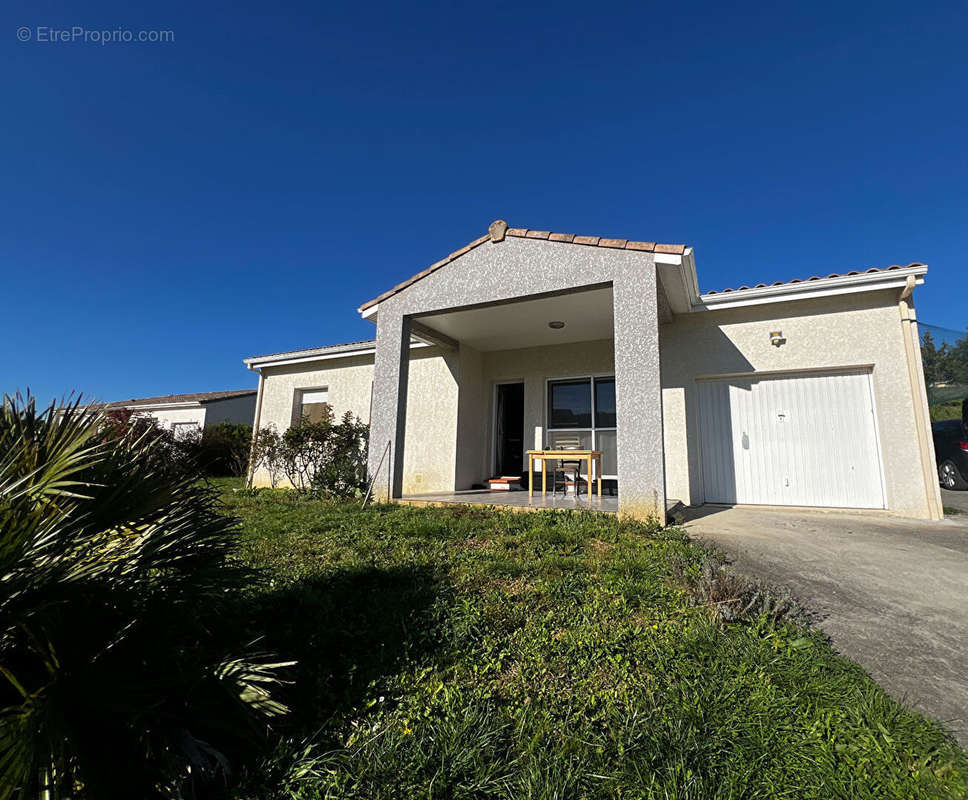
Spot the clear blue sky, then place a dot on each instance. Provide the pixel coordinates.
(169, 209)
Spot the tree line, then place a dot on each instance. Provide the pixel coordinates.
(945, 364)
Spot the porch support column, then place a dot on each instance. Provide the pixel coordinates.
(638, 393)
(389, 407)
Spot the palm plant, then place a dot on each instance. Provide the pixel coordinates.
(115, 570)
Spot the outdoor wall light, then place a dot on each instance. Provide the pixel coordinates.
(776, 338)
(556, 324)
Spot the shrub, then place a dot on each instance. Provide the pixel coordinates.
(223, 449)
(321, 456)
(120, 677)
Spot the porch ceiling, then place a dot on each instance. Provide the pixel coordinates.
(509, 326)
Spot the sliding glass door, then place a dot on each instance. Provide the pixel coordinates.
(581, 415)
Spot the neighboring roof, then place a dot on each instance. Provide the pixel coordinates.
(852, 273)
(499, 229)
(171, 399)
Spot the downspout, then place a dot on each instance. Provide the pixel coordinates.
(255, 429)
(919, 396)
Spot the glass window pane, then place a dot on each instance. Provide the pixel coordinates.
(604, 402)
(570, 440)
(607, 442)
(315, 412)
(570, 404)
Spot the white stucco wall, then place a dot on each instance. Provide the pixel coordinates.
(430, 434)
(450, 394)
(843, 331)
(347, 380)
(165, 418)
(431, 408)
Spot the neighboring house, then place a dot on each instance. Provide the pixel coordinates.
(186, 415)
(805, 393)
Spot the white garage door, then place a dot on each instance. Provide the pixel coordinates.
(805, 440)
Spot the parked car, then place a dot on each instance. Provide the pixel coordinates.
(951, 452)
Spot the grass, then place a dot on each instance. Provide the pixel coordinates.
(943, 411)
(951, 510)
(461, 653)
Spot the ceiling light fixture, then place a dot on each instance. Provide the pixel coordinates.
(556, 324)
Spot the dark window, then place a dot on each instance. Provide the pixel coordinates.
(570, 404)
(604, 402)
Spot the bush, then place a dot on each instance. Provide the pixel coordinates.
(220, 451)
(120, 674)
(223, 450)
(324, 457)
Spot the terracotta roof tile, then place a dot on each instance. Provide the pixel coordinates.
(814, 277)
(525, 233)
(675, 249)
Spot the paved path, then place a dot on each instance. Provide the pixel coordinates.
(892, 594)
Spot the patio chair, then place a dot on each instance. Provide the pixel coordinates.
(566, 468)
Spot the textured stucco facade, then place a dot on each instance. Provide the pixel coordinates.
(347, 380)
(843, 331)
(435, 404)
(431, 426)
(515, 269)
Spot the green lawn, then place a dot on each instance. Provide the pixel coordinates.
(468, 654)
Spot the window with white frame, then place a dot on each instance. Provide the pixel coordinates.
(310, 404)
(582, 411)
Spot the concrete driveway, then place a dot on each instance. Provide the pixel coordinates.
(892, 594)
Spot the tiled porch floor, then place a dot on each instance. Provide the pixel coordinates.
(517, 500)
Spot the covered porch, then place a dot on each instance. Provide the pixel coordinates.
(532, 345)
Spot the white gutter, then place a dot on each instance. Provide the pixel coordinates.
(822, 287)
(259, 362)
(250, 471)
(162, 406)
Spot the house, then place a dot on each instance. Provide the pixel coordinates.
(186, 415)
(798, 393)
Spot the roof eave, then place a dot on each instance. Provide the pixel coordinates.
(804, 290)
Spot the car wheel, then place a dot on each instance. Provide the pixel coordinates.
(950, 477)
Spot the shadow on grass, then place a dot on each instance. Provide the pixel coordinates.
(346, 630)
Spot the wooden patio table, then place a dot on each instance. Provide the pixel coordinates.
(568, 455)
